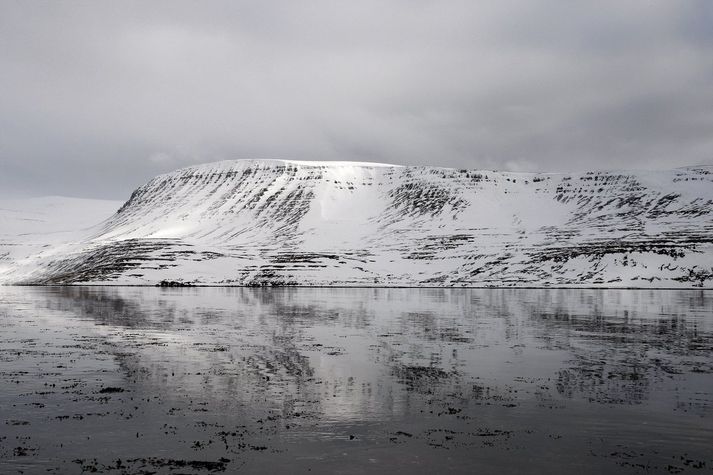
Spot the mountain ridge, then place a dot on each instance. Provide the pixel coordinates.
(286, 222)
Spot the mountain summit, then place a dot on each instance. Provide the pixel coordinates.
(275, 222)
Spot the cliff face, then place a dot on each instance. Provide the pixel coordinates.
(311, 223)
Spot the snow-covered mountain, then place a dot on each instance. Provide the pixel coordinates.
(270, 222)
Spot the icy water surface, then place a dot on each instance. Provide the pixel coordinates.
(286, 380)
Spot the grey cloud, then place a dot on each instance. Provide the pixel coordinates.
(97, 97)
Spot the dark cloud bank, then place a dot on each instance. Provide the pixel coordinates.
(96, 97)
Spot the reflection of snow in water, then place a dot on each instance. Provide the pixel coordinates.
(450, 368)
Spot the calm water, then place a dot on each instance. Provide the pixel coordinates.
(147, 380)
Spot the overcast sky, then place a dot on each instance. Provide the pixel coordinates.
(97, 97)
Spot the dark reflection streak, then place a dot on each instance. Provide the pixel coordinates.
(105, 306)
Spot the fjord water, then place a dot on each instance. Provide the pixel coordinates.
(297, 380)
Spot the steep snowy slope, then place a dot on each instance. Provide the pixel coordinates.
(329, 223)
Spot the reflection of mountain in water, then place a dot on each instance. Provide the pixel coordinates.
(623, 343)
(366, 351)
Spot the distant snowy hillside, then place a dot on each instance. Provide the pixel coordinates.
(29, 226)
(253, 222)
